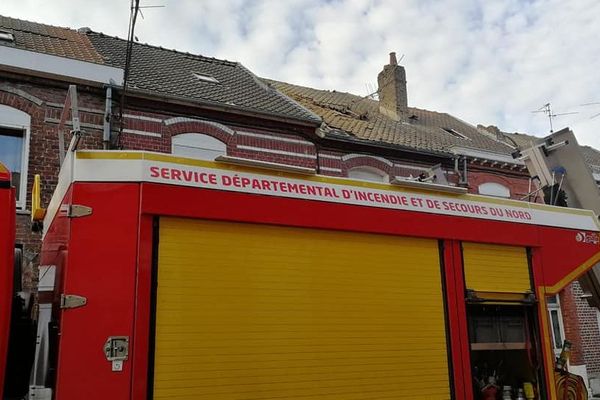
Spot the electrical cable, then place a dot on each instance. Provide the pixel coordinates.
(135, 9)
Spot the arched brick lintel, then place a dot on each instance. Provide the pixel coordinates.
(20, 100)
(357, 161)
(176, 126)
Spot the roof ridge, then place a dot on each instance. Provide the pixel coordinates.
(311, 88)
(38, 23)
(184, 53)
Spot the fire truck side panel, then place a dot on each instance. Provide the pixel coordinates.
(7, 240)
(111, 256)
(563, 249)
(232, 206)
(101, 267)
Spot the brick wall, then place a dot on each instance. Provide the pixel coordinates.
(518, 185)
(572, 325)
(588, 329)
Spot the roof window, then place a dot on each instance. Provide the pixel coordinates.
(205, 78)
(454, 133)
(7, 36)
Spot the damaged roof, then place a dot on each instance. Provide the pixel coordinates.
(358, 117)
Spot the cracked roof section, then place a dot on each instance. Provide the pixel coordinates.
(359, 117)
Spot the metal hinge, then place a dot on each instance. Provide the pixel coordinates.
(72, 301)
(77, 210)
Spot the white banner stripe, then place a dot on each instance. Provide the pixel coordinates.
(255, 183)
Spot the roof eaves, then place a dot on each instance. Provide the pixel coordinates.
(182, 53)
(347, 138)
(152, 95)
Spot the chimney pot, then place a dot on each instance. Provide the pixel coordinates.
(393, 60)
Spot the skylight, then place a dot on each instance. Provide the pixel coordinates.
(205, 78)
(6, 36)
(454, 133)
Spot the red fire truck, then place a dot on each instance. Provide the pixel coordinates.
(169, 277)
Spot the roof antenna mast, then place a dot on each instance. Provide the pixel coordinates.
(547, 109)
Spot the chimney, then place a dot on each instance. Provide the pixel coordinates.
(393, 101)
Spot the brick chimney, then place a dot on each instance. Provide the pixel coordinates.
(393, 100)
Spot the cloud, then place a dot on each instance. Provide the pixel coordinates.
(489, 62)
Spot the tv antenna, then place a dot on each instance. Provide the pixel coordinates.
(372, 92)
(547, 109)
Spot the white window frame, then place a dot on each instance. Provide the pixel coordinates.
(561, 325)
(494, 189)
(200, 142)
(382, 176)
(12, 118)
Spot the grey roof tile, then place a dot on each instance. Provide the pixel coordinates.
(171, 73)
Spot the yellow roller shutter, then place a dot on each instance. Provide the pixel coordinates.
(495, 268)
(261, 312)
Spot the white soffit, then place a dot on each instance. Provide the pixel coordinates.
(48, 65)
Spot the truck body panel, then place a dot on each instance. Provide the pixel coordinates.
(114, 260)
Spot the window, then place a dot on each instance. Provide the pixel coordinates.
(205, 78)
(494, 189)
(454, 133)
(368, 174)
(14, 148)
(6, 36)
(197, 145)
(556, 323)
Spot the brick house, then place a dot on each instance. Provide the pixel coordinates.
(203, 107)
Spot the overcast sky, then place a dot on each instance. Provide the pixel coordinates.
(488, 62)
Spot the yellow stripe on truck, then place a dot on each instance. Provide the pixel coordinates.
(262, 312)
(496, 268)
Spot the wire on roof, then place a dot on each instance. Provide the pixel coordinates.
(135, 9)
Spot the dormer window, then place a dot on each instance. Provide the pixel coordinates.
(6, 36)
(205, 78)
